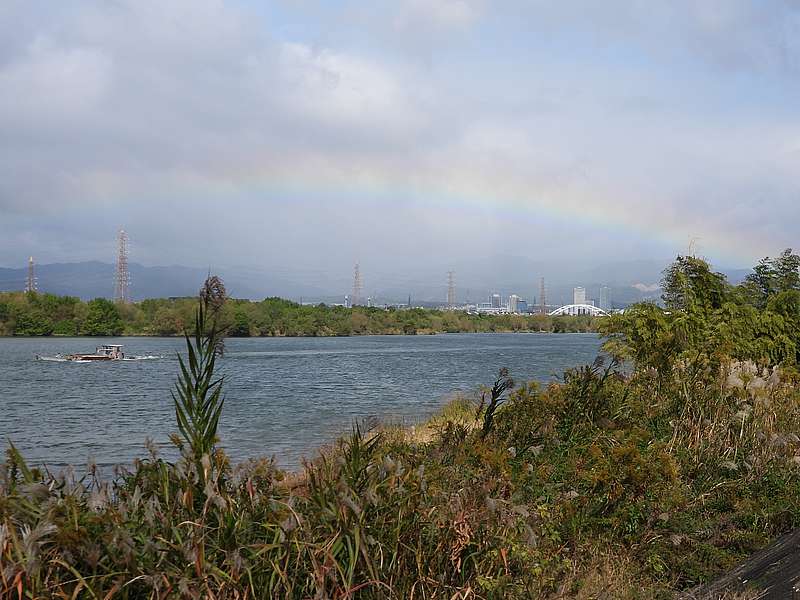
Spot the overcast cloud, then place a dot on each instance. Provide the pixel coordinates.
(317, 134)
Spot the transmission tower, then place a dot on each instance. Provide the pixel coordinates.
(692, 246)
(30, 285)
(542, 297)
(451, 289)
(358, 286)
(122, 279)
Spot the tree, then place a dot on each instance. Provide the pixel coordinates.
(66, 327)
(772, 276)
(33, 322)
(102, 318)
(690, 284)
(787, 304)
(241, 324)
(166, 321)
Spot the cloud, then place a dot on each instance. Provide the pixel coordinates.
(54, 83)
(398, 130)
(344, 92)
(438, 13)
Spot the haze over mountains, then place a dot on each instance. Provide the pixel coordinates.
(630, 281)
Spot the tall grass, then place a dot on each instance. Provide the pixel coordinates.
(198, 395)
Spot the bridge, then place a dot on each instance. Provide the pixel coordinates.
(579, 309)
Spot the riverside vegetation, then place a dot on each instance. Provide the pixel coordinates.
(34, 314)
(635, 482)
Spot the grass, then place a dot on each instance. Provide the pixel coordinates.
(606, 484)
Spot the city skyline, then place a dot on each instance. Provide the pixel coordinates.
(495, 297)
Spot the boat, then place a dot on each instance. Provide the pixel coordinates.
(104, 352)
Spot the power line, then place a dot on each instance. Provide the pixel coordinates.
(542, 297)
(451, 289)
(30, 284)
(122, 279)
(358, 286)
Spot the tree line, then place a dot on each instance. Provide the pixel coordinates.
(42, 314)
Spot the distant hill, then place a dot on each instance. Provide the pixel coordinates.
(96, 279)
(630, 281)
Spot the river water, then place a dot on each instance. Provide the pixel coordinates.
(285, 396)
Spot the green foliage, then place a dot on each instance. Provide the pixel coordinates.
(198, 393)
(34, 322)
(496, 393)
(45, 314)
(772, 276)
(707, 320)
(689, 284)
(240, 326)
(102, 318)
(66, 327)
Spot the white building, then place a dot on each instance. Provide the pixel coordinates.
(488, 308)
(579, 295)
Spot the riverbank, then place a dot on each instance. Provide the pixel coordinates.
(48, 315)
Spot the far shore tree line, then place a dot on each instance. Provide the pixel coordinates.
(42, 314)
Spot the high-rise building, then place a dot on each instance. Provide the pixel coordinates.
(513, 303)
(579, 295)
(496, 301)
(605, 298)
(522, 306)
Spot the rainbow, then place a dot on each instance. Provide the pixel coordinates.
(510, 199)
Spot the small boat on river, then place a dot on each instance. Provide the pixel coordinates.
(104, 352)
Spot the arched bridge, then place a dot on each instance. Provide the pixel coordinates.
(579, 309)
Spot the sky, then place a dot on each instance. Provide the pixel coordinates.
(296, 134)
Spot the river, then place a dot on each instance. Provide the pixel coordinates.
(285, 396)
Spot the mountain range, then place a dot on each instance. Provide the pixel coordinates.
(629, 281)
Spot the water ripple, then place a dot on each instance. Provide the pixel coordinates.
(285, 396)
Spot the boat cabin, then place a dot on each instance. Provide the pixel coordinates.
(110, 351)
